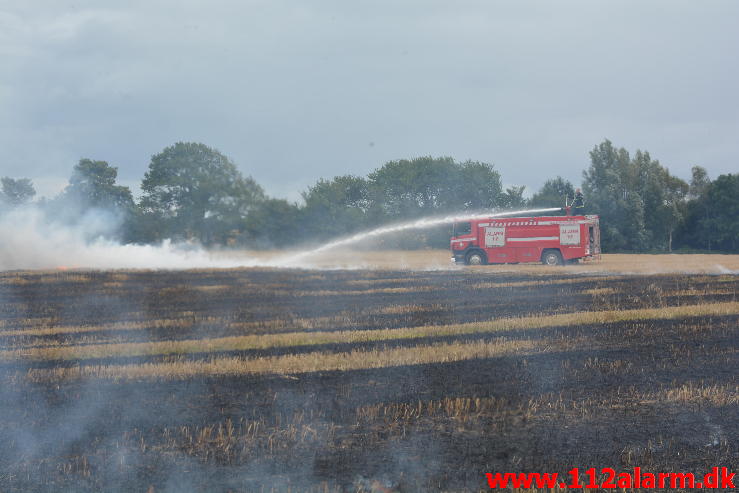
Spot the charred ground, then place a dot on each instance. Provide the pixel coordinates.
(238, 380)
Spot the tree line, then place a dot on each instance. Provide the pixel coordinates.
(192, 192)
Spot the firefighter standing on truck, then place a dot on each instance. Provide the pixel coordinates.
(579, 201)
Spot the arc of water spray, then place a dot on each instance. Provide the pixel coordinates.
(417, 224)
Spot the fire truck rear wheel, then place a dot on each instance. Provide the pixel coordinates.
(552, 257)
(475, 258)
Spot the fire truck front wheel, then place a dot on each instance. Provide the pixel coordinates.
(552, 257)
(475, 258)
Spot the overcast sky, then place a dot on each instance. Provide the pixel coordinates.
(295, 91)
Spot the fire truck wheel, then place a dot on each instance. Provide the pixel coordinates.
(475, 258)
(552, 257)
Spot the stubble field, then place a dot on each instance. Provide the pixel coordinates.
(361, 380)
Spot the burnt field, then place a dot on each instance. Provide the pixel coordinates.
(357, 380)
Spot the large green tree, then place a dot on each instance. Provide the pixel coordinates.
(477, 187)
(553, 193)
(610, 192)
(336, 206)
(639, 202)
(699, 182)
(427, 185)
(198, 193)
(663, 196)
(711, 219)
(513, 198)
(92, 188)
(275, 223)
(93, 185)
(15, 192)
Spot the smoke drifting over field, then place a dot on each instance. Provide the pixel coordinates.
(30, 240)
(356, 380)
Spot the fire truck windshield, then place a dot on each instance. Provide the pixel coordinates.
(461, 229)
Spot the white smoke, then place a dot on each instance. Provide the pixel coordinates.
(723, 270)
(29, 240)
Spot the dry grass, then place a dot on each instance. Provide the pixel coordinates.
(302, 339)
(441, 259)
(537, 390)
(186, 319)
(693, 263)
(362, 292)
(608, 367)
(295, 363)
(599, 291)
(26, 322)
(213, 288)
(405, 309)
(370, 282)
(464, 409)
(706, 291)
(538, 282)
(605, 297)
(702, 393)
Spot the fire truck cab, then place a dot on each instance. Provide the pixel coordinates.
(551, 240)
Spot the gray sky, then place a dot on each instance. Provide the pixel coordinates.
(294, 91)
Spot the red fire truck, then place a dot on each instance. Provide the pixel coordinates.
(551, 240)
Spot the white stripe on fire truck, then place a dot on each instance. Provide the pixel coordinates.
(534, 238)
(549, 223)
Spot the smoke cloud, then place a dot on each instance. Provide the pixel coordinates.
(30, 240)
